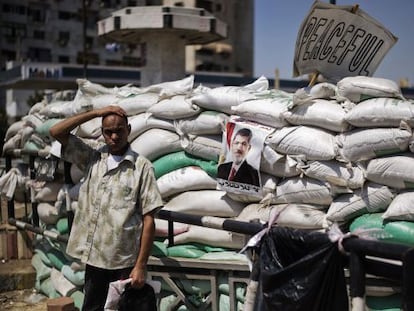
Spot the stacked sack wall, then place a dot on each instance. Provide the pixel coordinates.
(337, 154)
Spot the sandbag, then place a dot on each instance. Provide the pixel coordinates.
(381, 112)
(312, 143)
(204, 203)
(161, 227)
(359, 88)
(210, 236)
(144, 121)
(401, 207)
(365, 144)
(392, 171)
(176, 107)
(185, 179)
(335, 173)
(206, 147)
(155, 143)
(371, 198)
(176, 160)
(268, 108)
(206, 123)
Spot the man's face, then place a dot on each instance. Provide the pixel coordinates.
(115, 130)
(239, 148)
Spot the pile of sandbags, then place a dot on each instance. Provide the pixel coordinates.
(335, 153)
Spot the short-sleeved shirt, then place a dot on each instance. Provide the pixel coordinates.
(107, 225)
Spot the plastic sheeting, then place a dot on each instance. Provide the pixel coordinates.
(300, 270)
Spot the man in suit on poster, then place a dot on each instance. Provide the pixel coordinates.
(239, 170)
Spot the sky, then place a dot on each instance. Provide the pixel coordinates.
(277, 23)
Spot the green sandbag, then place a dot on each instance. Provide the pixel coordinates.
(159, 249)
(401, 231)
(384, 303)
(393, 231)
(180, 159)
(62, 226)
(43, 256)
(185, 250)
(42, 270)
(44, 128)
(47, 288)
(77, 297)
(75, 277)
(57, 259)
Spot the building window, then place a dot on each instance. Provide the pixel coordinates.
(132, 3)
(39, 54)
(89, 42)
(63, 59)
(91, 58)
(132, 61)
(64, 37)
(205, 4)
(65, 15)
(38, 34)
(37, 15)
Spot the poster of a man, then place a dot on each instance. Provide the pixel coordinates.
(239, 170)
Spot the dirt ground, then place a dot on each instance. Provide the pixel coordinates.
(22, 300)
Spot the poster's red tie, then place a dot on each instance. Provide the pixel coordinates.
(232, 173)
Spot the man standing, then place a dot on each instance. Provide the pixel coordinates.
(239, 170)
(113, 228)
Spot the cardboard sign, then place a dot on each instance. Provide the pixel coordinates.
(337, 42)
(239, 170)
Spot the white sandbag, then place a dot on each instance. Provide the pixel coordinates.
(324, 90)
(137, 103)
(13, 129)
(64, 109)
(172, 88)
(161, 227)
(207, 147)
(381, 112)
(302, 190)
(89, 129)
(326, 114)
(365, 144)
(401, 207)
(278, 165)
(299, 216)
(92, 89)
(359, 88)
(206, 123)
(12, 143)
(310, 142)
(62, 285)
(26, 133)
(144, 121)
(335, 173)
(394, 171)
(48, 213)
(46, 191)
(185, 179)
(204, 203)
(372, 198)
(268, 108)
(269, 185)
(155, 143)
(33, 120)
(76, 174)
(224, 97)
(176, 107)
(212, 237)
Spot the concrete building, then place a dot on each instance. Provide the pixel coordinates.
(64, 31)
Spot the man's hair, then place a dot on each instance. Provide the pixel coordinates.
(245, 132)
(112, 114)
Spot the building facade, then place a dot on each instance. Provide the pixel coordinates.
(64, 31)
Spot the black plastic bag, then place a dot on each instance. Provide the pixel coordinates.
(301, 271)
(140, 299)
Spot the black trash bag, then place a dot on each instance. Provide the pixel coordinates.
(140, 299)
(301, 271)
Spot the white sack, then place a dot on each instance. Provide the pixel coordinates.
(48, 213)
(359, 88)
(326, 114)
(372, 198)
(207, 147)
(176, 107)
(185, 179)
(205, 203)
(310, 142)
(206, 123)
(394, 171)
(335, 173)
(212, 237)
(365, 144)
(381, 112)
(155, 143)
(161, 227)
(138, 103)
(401, 207)
(144, 121)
